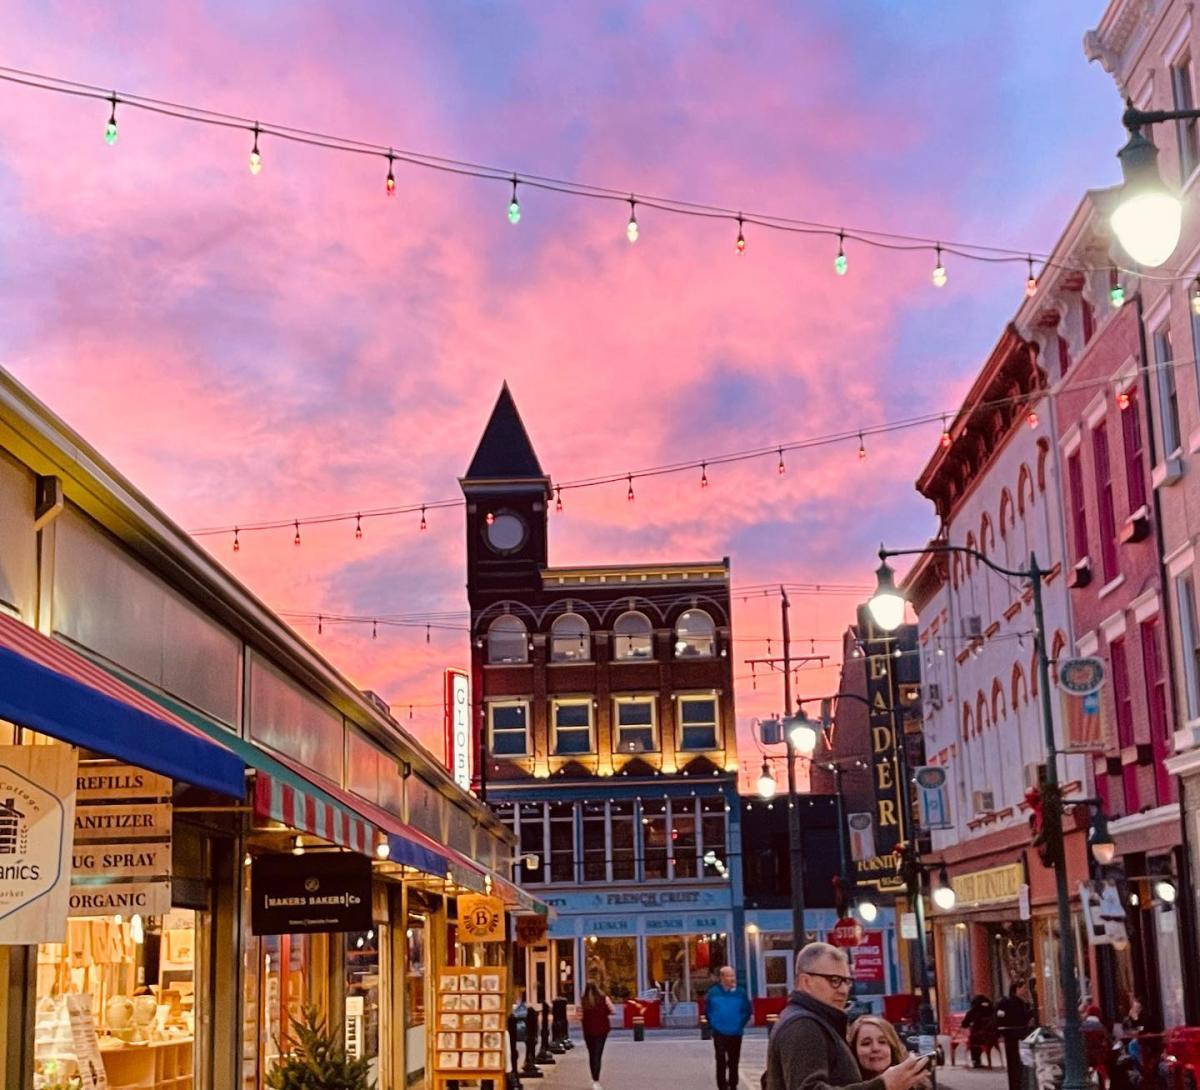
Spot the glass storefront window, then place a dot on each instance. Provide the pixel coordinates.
(533, 840)
(712, 830)
(595, 852)
(654, 839)
(137, 978)
(1170, 969)
(611, 964)
(777, 964)
(415, 969)
(956, 957)
(706, 954)
(667, 968)
(683, 837)
(562, 842)
(623, 841)
(564, 961)
(363, 997)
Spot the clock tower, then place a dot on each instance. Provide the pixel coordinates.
(507, 494)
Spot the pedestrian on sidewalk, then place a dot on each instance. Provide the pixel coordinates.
(980, 1024)
(807, 1049)
(727, 1008)
(1013, 1017)
(597, 1010)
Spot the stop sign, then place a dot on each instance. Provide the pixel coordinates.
(847, 932)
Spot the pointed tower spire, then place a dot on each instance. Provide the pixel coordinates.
(505, 452)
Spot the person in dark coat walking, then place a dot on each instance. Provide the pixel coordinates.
(980, 1024)
(597, 1010)
(807, 1049)
(1013, 1018)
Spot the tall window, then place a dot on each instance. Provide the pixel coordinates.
(595, 844)
(1168, 395)
(635, 724)
(624, 841)
(1188, 131)
(508, 640)
(695, 635)
(1078, 507)
(562, 842)
(697, 722)
(1064, 356)
(1089, 319)
(509, 722)
(684, 839)
(1189, 642)
(572, 727)
(570, 639)
(654, 839)
(1105, 503)
(1123, 700)
(532, 832)
(633, 638)
(1156, 702)
(1135, 470)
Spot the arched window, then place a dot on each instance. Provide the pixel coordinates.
(1020, 691)
(695, 635)
(1008, 516)
(966, 721)
(633, 637)
(1043, 446)
(982, 719)
(1024, 487)
(970, 543)
(999, 710)
(987, 536)
(570, 639)
(508, 640)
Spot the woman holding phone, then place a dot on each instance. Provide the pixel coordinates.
(875, 1045)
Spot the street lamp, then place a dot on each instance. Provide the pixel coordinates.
(867, 909)
(766, 782)
(1104, 848)
(885, 610)
(944, 896)
(802, 733)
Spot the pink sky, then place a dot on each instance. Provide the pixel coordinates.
(294, 343)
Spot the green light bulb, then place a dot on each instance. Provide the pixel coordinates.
(839, 264)
(514, 211)
(1117, 297)
(110, 133)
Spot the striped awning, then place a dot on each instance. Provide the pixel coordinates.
(308, 809)
(48, 687)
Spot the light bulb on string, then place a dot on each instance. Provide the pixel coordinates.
(558, 498)
(946, 440)
(1122, 400)
(782, 468)
(514, 206)
(296, 539)
(358, 527)
(629, 494)
(1031, 418)
(424, 524)
(862, 448)
(1195, 296)
(703, 475)
(255, 157)
(631, 228)
(839, 262)
(110, 130)
(237, 545)
(374, 630)
(1116, 296)
(1031, 283)
(490, 519)
(390, 184)
(741, 239)
(939, 270)
(320, 624)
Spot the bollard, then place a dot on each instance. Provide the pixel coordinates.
(705, 1031)
(530, 1070)
(513, 1079)
(545, 1056)
(639, 1028)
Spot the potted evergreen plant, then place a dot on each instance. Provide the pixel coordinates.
(315, 1059)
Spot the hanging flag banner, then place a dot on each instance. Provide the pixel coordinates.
(862, 836)
(933, 797)
(37, 816)
(1079, 683)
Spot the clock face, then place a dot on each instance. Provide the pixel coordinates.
(505, 533)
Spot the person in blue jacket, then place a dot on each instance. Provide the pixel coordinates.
(727, 1008)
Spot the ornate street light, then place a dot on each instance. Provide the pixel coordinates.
(766, 782)
(867, 910)
(803, 733)
(943, 895)
(1104, 848)
(887, 603)
(1148, 216)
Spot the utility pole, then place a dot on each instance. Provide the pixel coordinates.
(795, 845)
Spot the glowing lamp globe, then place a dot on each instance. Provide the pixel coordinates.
(766, 783)
(1165, 891)
(803, 735)
(1148, 217)
(867, 911)
(887, 603)
(945, 897)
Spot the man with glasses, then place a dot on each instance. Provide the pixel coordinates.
(807, 1049)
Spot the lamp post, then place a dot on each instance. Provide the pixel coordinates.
(887, 607)
(1148, 216)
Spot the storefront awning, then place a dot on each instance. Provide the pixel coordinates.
(47, 687)
(284, 796)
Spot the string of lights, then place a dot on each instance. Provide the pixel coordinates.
(262, 133)
(949, 422)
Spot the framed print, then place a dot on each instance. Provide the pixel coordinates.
(488, 1001)
(448, 982)
(469, 1040)
(493, 1041)
(492, 1061)
(448, 1060)
(491, 1021)
(448, 1021)
(469, 982)
(450, 1001)
(489, 982)
(448, 1040)
(470, 1059)
(471, 1002)
(472, 1021)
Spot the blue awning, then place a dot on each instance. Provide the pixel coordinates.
(47, 687)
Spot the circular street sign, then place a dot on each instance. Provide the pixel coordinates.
(1081, 676)
(847, 932)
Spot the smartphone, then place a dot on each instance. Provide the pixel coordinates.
(930, 1059)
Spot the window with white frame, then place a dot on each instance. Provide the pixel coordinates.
(634, 717)
(1189, 641)
(1188, 130)
(570, 639)
(508, 724)
(633, 636)
(572, 726)
(508, 640)
(695, 635)
(1168, 395)
(698, 722)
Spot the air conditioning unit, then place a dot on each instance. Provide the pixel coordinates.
(983, 802)
(933, 693)
(1035, 773)
(972, 627)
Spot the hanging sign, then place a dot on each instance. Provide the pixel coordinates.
(37, 809)
(317, 891)
(862, 836)
(1080, 681)
(480, 919)
(1024, 908)
(1103, 914)
(933, 797)
(458, 727)
(532, 930)
(908, 925)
